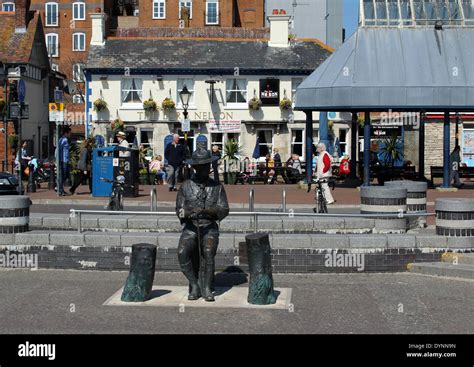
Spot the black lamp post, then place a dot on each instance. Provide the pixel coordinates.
(3, 81)
(185, 96)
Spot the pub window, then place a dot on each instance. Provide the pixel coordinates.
(265, 142)
(79, 11)
(212, 12)
(217, 139)
(79, 42)
(190, 85)
(236, 91)
(132, 90)
(146, 140)
(297, 142)
(8, 7)
(186, 4)
(159, 9)
(52, 44)
(51, 13)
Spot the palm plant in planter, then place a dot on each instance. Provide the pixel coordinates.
(100, 105)
(231, 152)
(255, 104)
(168, 104)
(286, 104)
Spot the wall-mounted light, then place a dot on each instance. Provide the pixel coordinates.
(211, 82)
(159, 78)
(104, 78)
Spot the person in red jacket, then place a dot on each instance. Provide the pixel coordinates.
(324, 171)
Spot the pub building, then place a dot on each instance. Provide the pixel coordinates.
(223, 76)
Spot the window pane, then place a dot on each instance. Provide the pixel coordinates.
(212, 13)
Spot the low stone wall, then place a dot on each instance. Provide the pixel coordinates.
(144, 223)
(290, 254)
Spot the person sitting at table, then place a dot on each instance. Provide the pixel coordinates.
(156, 167)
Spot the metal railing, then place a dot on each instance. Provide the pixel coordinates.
(153, 200)
(77, 213)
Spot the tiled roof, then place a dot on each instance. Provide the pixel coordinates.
(16, 47)
(170, 54)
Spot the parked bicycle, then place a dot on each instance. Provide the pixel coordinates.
(116, 198)
(320, 199)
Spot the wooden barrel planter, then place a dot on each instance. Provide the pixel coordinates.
(385, 200)
(14, 214)
(416, 200)
(455, 217)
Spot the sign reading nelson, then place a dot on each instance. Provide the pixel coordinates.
(270, 92)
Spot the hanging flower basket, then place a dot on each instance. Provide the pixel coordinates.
(286, 104)
(255, 104)
(168, 104)
(13, 141)
(150, 105)
(100, 105)
(117, 125)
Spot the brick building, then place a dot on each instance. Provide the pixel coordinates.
(23, 56)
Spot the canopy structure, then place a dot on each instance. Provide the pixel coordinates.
(406, 55)
(412, 69)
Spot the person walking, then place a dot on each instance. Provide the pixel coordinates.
(455, 160)
(215, 163)
(324, 171)
(25, 159)
(63, 154)
(175, 154)
(84, 166)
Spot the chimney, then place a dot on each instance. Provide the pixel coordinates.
(98, 29)
(279, 33)
(22, 10)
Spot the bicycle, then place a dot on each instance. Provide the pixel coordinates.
(321, 202)
(116, 198)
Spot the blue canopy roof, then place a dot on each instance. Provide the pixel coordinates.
(381, 68)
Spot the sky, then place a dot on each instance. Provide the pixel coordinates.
(351, 16)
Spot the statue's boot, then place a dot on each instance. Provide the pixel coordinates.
(188, 271)
(207, 283)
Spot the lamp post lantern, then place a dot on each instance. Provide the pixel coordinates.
(185, 96)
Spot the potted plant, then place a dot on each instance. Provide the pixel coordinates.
(144, 177)
(117, 125)
(286, 104)
(231, 161)
(255, 104)
(74, 157)
(168, 104)
(150, 105)
(100, 104)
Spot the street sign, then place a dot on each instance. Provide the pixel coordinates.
(56, 112)
(21, 90)
(186, 125)
(58, 95)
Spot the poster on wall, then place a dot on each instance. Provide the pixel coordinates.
(270, 92)
(224, 126)
(468, 147)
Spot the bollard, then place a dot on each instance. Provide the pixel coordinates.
(283, 201)
(139, 284)
(384, 200)
(455, 217)
(261, 290)
(416, 200)
(31, 180)
(252, 200)
(153, 200)
(14, 214)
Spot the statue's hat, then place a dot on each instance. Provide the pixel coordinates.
(201, 156)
